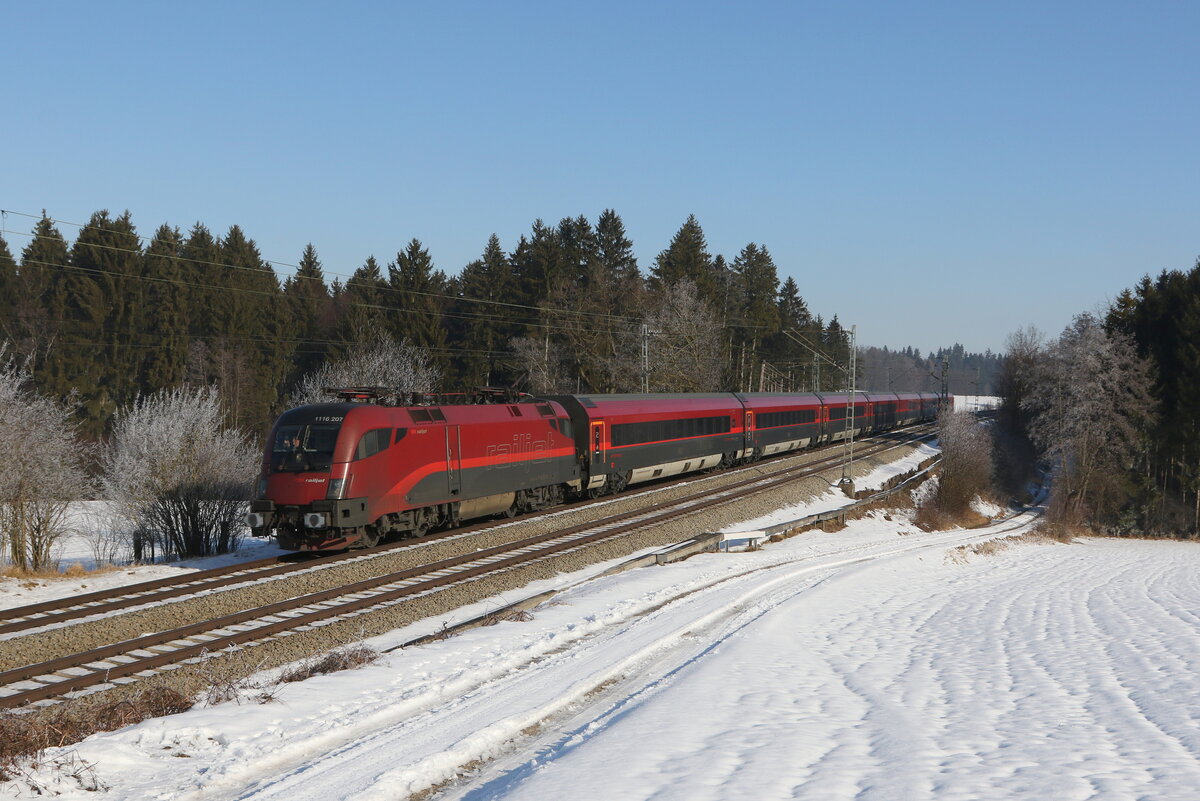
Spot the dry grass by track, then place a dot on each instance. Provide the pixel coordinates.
(54, 573)
(26, 735)
(1043, 535)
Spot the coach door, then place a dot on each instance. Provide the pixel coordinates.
(453, 459)
(597, 445)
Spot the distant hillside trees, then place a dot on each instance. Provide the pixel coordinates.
(907, 370)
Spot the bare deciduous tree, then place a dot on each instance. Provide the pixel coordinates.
(178, 474)
(42, 469)
(685, 345)
(543, 365)
(966, 462)
(381, 362)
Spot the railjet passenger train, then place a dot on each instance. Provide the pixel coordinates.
(380, 465)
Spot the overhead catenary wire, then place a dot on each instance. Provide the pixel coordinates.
(352, 304)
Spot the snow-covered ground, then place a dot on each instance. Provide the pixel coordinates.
(90, 544)
(857, 664)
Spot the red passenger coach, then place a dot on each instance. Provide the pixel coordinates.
(343, 474)
(632, 438)
(781, 422)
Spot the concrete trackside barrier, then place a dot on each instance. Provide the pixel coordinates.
(756, 538)
(705, 543)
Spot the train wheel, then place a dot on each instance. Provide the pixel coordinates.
(368, 537)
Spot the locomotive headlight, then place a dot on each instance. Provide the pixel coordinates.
(262, 487)
(335, 488)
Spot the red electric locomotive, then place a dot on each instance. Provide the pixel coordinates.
(349, 474)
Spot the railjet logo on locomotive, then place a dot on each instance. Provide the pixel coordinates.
(380, 465)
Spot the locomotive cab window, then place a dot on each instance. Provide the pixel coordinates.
(303, 447)
(372, 443)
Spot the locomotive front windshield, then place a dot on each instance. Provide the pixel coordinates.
(303, 447)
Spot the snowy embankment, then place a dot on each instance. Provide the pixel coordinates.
(861, 663)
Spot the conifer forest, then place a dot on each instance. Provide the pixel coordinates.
(104, 312)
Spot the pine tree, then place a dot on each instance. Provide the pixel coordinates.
(757, 315)
(793, 311)
(484, 329)
(837, 347)
(417, 297)
(97, 353)
(251, 352)
(538, 266)
(8, 291)
(168, 311)
(578, 251)
(614, 249)
(39, 303)
(363, 314)
(200, 266)
(311, 313)
(687, 258)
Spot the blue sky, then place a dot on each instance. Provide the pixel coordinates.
(933, 172)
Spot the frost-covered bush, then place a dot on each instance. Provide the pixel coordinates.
(106, 533)
(382, 362)
(41, 469)
(178, 475)
(966, 462)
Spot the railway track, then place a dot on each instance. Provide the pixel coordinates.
(147, 655)
(98, 604)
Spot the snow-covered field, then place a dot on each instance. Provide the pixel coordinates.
(858, 664)
(975, 403)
